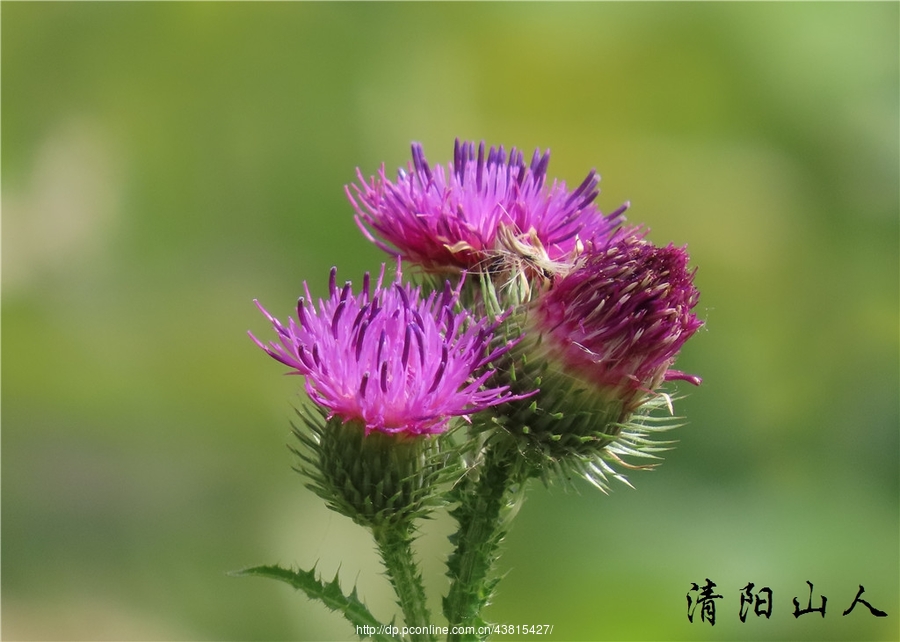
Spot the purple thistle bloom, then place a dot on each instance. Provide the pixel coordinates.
(483, 203)
(388, 358)
(619, 320)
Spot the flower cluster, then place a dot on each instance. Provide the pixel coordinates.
(558, 376)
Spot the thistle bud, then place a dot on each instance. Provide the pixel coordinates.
(599, 343)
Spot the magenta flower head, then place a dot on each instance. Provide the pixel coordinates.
(618, 322)
(386, 368)
(485, 204)
(599, 344)
(389, 358)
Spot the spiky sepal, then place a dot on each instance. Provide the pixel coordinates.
(330, 594)
(377, 479)
(635, 447)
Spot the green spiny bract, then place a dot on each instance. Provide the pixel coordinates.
(378, 479)
(570, 427)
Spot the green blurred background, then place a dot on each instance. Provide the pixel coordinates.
(164, 164)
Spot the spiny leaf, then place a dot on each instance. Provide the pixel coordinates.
(329, 594)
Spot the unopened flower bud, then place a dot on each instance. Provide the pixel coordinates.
(599, 343)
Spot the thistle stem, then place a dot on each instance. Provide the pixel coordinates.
(394, 543)
(482, 522)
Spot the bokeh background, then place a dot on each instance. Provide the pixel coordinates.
(164, 164)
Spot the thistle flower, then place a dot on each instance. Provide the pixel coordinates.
(619, 321)
(389, 358)
(483, 206)
(599, 343)
(386, 369)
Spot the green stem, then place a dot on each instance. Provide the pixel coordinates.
(395, 546)
(481, 529)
